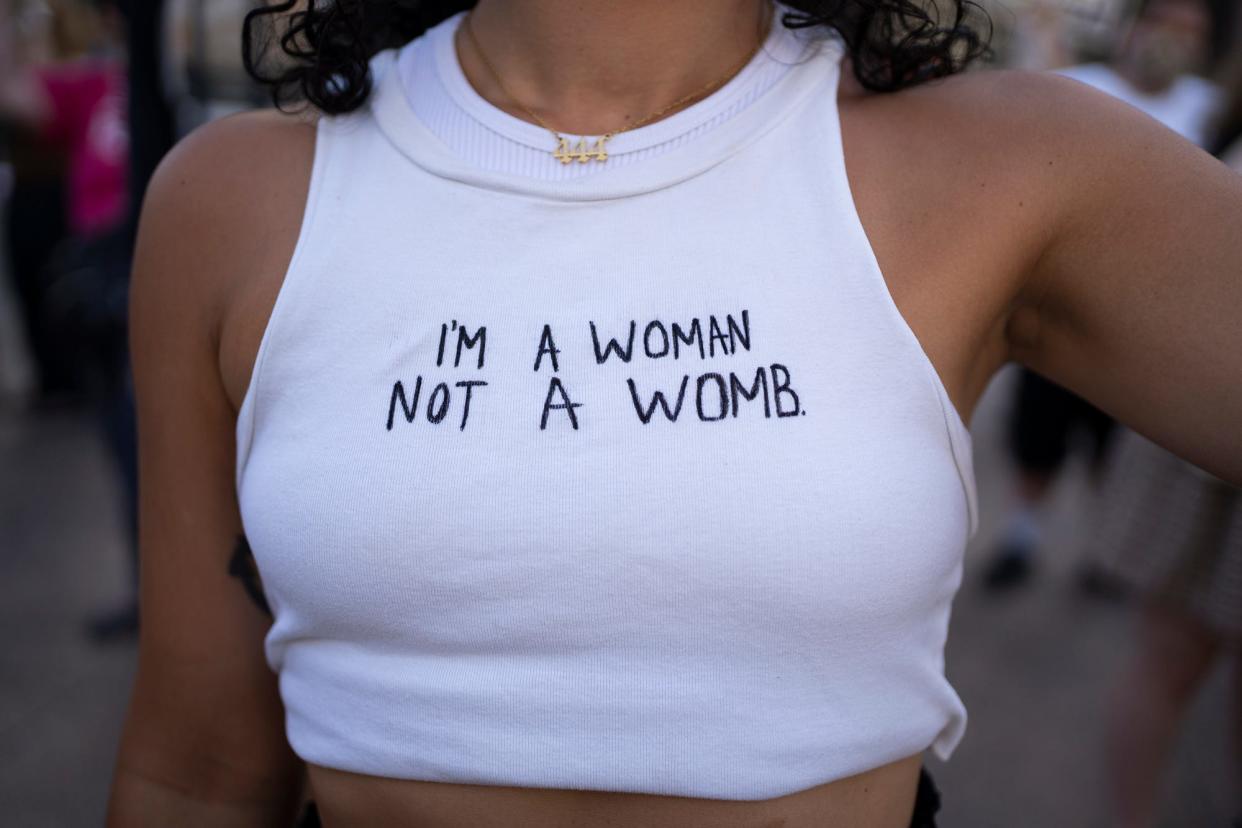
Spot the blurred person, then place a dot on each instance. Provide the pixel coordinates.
(71, 108)
(78, 106)
(1171, 533)
(1154, 70)
(35, 211)
(565, 419)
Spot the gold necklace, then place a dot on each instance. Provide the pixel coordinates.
(599, 152)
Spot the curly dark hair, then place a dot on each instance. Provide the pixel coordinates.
(326, 45)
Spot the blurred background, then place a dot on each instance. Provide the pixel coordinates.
(1095, 637)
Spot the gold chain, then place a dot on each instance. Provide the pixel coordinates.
(598, 152)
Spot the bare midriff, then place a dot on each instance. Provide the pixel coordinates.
(879, 798)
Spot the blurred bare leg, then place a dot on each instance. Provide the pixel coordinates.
(1174, 653)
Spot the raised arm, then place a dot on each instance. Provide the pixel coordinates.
(204, 741)
(1136, 301)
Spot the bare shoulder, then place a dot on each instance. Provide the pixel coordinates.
(988, 116)
(219, 224)
(949, 151)
(221, 194)
(1036, 156)
(1027, 127)
(962, 184)
(241, 164)
(254, 143)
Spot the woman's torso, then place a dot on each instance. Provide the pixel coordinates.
(906, 212)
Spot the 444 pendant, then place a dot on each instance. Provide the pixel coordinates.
(580, 152)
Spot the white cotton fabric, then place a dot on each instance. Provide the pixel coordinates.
(493, 559)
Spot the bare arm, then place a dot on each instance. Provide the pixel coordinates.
(204, 741)
(1136, 301)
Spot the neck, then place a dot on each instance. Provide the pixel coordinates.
(587, 67)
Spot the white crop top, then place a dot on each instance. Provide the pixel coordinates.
(636, 481)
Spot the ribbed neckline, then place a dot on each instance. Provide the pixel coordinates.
(814, 54)
(781, 43)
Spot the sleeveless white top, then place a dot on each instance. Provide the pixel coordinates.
(635, 481)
